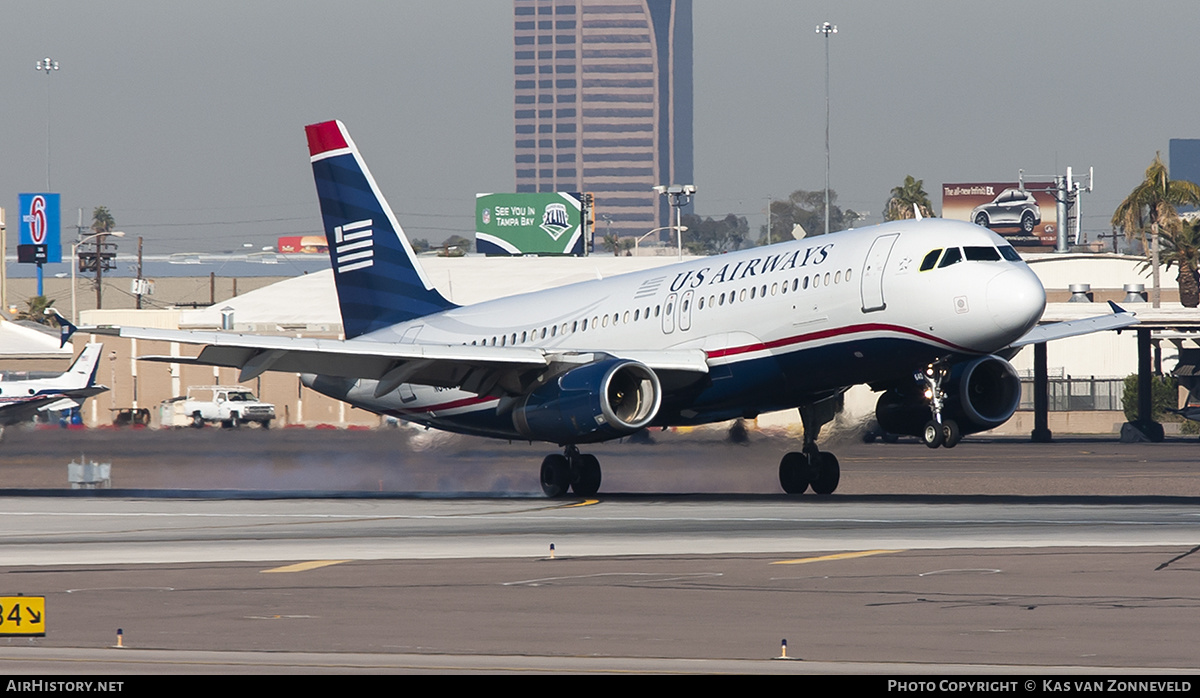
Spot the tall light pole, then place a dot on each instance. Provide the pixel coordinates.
(48, 65)
(681, 195)
(827, 29)
(75, 265)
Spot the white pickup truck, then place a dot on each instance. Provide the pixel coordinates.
(231, 405)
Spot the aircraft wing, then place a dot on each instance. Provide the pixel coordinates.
(15, 412)
(477, 369)
(1117, 319)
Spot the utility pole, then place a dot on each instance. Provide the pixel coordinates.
(139, 274)
(99, 272)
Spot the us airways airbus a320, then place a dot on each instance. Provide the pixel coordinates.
(926, 311)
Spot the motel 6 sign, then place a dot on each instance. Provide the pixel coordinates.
(40, 223)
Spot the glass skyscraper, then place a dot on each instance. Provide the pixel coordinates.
(603, 104)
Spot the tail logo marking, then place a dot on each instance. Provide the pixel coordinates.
(354, 244)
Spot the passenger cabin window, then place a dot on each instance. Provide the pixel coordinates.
(953, 256)
(930, 260)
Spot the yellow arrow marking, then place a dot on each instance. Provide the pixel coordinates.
(305, 566)
(838, 556)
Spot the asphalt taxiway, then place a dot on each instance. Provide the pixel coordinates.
(995, 557)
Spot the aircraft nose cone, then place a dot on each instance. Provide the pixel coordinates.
(1015, 300)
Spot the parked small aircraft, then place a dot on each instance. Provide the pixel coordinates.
(20, 400)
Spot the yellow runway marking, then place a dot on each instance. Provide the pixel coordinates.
(838, 556)
(305, 566)
(584, 503)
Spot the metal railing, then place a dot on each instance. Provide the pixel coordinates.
(1069, 394)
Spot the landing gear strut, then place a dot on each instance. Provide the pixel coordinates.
(811, 467)
(940, 430)
(573, 470)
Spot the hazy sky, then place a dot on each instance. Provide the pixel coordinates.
(186, 118)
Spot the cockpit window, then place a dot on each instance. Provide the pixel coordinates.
(953, 256)
(1009, 253)
(982, 254)
(930, 260)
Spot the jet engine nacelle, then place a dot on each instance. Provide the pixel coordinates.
(981, 394)
(593, 402)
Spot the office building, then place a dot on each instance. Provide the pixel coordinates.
(603, 104)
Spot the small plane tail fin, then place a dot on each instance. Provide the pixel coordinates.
(82, 373)
(379, 280)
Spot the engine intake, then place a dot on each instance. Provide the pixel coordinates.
(981, 394)
(594, 402)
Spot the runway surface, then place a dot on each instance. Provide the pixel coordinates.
(1074, 557)
(408, 461)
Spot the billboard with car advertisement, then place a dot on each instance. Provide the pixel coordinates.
(518, 224)
(1026, 215)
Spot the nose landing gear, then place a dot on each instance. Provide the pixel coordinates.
(940, 430)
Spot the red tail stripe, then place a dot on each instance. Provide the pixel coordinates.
(324, 137)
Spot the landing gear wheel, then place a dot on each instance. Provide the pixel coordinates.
(828, 473)
(556, 475)
(932, 435)
(951, 434)
(587, 482)
(794, 473)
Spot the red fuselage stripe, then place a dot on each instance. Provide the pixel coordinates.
(835, 332)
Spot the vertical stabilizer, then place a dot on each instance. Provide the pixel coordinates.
(82, 373)
(379, 281)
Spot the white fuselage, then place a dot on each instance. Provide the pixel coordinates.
(784, 322)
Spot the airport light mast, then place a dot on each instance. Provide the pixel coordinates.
(47, 64)
(681, 195)
(827, 29)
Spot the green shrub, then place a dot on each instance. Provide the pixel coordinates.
(1164, 396)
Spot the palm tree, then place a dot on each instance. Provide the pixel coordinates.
(1182, 241)
(904, 197)
(102, 220)
(1151, 205)
(35, 311)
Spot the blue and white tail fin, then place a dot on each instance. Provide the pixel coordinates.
(82, 373)
(379, 281)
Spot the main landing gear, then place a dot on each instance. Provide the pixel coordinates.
(810, 467)
(579, 472)
(940, 430)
